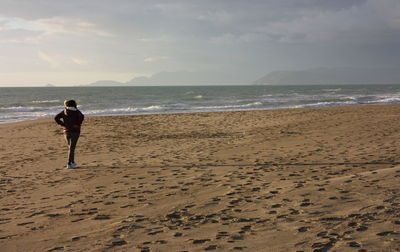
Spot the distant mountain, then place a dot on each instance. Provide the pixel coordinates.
(106, 83)
(185, 78)
(321, 76)
(178, 78)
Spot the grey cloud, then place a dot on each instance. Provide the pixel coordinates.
(285, 20)
(227, 35)
(18, 36)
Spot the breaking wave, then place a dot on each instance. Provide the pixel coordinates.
(19, 104)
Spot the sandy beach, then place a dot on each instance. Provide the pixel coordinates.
(322, 179)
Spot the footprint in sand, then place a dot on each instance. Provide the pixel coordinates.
(303, 229)
(200, 241)
(55, 249)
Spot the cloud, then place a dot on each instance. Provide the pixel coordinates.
(18, 36)
(79, 61)
(47, 58)
(19, 30)
(289, 21)
(157, 39)
(74, 26)
(61, 61)
(226, 38)
(305, 21)
(154, 59)
(253, 36)
(387, 12)
(320, 26)
(219, 16)
(15, 23)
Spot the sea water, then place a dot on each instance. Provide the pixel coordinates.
(27, 103)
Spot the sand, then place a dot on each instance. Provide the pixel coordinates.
(286, 180)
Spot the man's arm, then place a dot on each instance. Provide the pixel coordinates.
(58, 120)
(82, 117)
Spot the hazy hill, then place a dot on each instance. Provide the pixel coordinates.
(106, 83)
(186, 78)
(332, 76)
(179, 78)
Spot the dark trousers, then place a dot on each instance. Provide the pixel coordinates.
(72, 139)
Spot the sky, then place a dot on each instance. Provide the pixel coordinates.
(75, 42)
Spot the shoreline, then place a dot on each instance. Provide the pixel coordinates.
(24, 104)
(196, 112)
(287, 179)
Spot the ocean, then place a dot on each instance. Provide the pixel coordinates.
(27, 103)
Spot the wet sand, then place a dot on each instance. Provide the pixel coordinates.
(285, 180)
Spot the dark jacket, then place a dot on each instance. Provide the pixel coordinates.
(71, 120)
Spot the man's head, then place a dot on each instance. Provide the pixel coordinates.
(70, 103)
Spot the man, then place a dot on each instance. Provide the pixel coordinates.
(71, 119)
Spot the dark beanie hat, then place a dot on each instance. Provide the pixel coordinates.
(70, 103)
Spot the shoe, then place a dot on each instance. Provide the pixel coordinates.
(71, 166)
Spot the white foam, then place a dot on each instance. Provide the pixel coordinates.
(46, 101)
(332, 89)
(228, 107)
(154, 107)
(199, 100)
(123, 111)
(21, 109)
(325, 104)
(386, 100)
